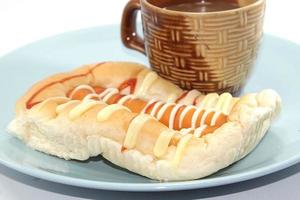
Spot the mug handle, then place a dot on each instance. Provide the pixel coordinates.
(129, 35)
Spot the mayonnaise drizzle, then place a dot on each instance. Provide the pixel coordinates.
(183, 114)
(209, 100)
(60, 108)
(198, 131)
(109, 95)
(163, 110)
(106, 92)
(185, 131)
(81, 108)
(190, 97)
(125, 98)
(195, 117)
(146, 84)
(107, 111)
(134, 129)
(148, 104)
(181, 147)
(90, 96)
(224, 102)
(215, 118)
(162, 142)
(173, 114)
(104, 96)
(171, 98)
(80, 87)
(155, 107)
(204, 116)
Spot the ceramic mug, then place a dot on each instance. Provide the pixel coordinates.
(208, 51)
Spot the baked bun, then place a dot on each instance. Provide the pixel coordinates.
(141, 122)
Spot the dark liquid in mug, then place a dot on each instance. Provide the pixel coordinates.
(202, 5)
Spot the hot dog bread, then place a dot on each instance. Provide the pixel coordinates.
(141, 122)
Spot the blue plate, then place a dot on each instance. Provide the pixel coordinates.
(277, 67)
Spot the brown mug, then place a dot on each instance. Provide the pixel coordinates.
(208, 51)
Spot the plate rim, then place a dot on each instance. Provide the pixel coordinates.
(145, 187)
(152, 187)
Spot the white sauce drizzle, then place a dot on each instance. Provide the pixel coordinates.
(155, 107)
(180, 148)
(146, 84)
(106, 112)
(198, 131)
(183, 114)
(109, 95)
(224, 102)
(148, 104)
(209, 100)
(60, 108)
(162, 142)
(80, 87)
(172, 98)
(106, 92)
(190, 97)
(195, 117)
(161, 145)
(90, 96)
(204, 116)
(81, 108)
(185, 131)
(173, 114)
(134, 129)
(214, 118)
(163, 110)
(125, 98)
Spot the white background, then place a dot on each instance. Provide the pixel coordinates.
(22, 22)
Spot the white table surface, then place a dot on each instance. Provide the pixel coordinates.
(22, 22)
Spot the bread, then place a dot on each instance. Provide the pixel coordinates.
(141, 122)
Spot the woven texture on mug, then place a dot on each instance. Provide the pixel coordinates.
(206, 52)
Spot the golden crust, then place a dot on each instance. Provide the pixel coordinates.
(21, 103)
(107, 74)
